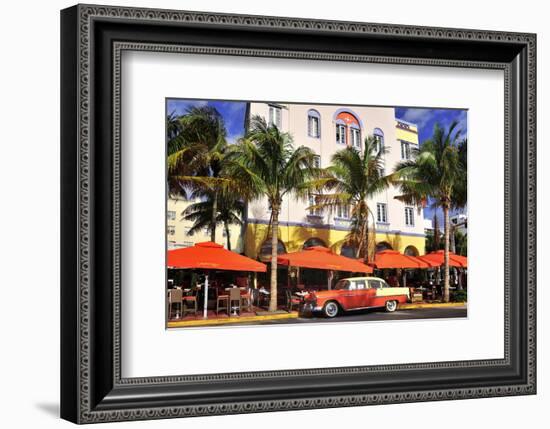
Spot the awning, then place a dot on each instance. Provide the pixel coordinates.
(394, 259)
(322, 258)
(211, 256)
(437, 259)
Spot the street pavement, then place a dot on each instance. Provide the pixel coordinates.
(372, 315)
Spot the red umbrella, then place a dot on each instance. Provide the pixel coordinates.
(437, 259)
(211, 256)
(394, 259)
(322, 258)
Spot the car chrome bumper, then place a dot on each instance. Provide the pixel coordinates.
(308, 308)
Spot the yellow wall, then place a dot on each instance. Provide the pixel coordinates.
(406, 135)
(294, 237)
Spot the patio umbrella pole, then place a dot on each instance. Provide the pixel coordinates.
(205, 310)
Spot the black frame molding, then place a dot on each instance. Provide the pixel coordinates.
(92, 39)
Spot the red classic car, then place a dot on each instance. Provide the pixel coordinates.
(355, 293)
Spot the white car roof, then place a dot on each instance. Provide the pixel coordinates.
(363, 278)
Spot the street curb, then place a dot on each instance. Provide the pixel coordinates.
(431, 305)
(244, 319)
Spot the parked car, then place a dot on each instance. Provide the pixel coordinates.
(354, 293)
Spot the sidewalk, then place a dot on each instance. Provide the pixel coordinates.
(233, 319)
(411, 306)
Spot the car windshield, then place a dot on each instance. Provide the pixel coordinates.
(342, 284)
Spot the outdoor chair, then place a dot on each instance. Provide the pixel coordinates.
(246, 300)
(222, 303)
(174, 297)
(234, 300)
(292, 301)
(190, 304)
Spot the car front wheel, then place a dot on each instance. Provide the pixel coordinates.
(331, 309)
(391, 306)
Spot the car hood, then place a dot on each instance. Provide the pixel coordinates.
(325, 293)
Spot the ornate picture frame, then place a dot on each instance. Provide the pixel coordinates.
(92, 39)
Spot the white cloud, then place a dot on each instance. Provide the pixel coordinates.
(420, 117)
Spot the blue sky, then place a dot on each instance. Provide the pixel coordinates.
(233, 113)
(426, 119)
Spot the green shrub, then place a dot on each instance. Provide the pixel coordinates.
(460, 296)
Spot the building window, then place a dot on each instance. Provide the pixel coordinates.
(340, 134)
(317, 161)
(409, 216)
(355, 135)
(382, 212)
(313, 124)
(171, 230)
(342, 211)
(317, 211)
(378, 140)
(405, 150)
(275, 116)
(171, 215)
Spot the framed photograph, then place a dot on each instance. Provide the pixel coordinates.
(267, 213)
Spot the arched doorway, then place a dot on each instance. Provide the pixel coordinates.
(411, 251)
(348, 250)
(383, 245)
(314, 242)
(265, 250)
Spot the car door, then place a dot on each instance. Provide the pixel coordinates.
(348, 297)
(362, 293)
(370, 296)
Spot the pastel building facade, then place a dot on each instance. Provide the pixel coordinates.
(326, 129)
(177, 229)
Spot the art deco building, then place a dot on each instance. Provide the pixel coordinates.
(326, 129)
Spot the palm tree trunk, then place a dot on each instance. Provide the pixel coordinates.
(446, 254)
(214, 216)
(227, 236)
(436, 232)
(274, 248)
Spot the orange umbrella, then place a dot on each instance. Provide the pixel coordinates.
(394, 259)
(322, 258)
(211, 256)
(437, 259)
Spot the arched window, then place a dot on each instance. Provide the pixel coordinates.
(348, 128)
(378, 135)
(314, 242)
(265, 250)
(313, 124)
(411, 251)
(383, 245)
(355, 137)
(348, 250)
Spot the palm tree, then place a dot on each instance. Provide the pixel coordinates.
(196, 147)
(230, 212)
(353, 178)
(436, 173)
(267, 165)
